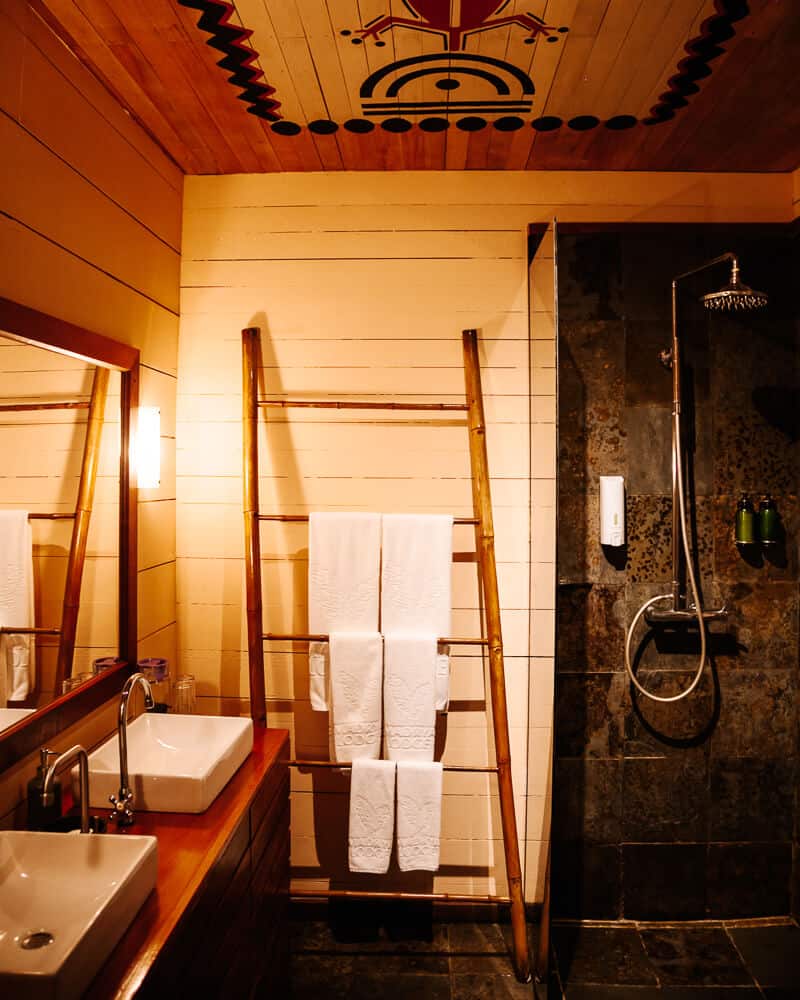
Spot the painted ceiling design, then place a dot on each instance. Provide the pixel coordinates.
(429, 63)
(268, 85)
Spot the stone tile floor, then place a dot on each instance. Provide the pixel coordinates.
(405, 958)
(718, 961)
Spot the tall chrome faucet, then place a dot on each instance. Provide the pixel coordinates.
(122, 801)
(68, 757)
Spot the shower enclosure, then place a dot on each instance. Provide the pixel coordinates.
(679, 810)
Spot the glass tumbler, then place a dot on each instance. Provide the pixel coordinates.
(185, 695)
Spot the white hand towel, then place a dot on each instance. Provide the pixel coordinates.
(16, 604)
(344, 553)
(409, 696)
(371, 816)
(419, 815)
(416, 582)
(356, 670)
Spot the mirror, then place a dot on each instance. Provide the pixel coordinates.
(67, 409)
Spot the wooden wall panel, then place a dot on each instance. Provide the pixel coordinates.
(90, 229)
(361, 285)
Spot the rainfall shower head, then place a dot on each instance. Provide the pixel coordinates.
(735, 296)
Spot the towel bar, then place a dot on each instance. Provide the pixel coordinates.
(435, 897)
(353, 404)
(301, 518)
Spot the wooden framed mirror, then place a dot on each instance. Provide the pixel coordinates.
(88, 360)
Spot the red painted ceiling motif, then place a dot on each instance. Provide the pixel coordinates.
(429, 64)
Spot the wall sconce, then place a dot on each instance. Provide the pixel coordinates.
(148, 451)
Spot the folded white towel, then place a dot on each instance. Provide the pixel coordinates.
(371, 816)
(416, 582)
(419, 815)
(356, 670)
(409, 693)
(16, 605)
(344, 552)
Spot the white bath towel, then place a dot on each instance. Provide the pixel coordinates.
(416, 588)
(16, 605)
(409, 696)
(419, 815)
(344, 552)
(356, 672)
(371, 832)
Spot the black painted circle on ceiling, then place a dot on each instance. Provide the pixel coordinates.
(549, 123)
(359, 125)
(379, 45)
(396, 125)
(471, 123)
(582, 123)
(434, 124)
(563, 30)
(322, 126)
(620, 122)
(447, 83)
(552, 38)
(509, 123)
(357, 41)
(286, 128)
(346, 32)
(529, 41)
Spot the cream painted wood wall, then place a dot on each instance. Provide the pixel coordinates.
(90, 226)
(361, 284)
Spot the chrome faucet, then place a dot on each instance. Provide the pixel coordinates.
(68, 757)
(123, 813)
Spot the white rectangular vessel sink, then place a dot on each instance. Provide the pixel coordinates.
(11, 716)
(176, 763)
(65, 901)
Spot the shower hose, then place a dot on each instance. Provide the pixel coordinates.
(676, 458)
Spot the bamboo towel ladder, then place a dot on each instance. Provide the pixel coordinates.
(80, 518)
(484, 536)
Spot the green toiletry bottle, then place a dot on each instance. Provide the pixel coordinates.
(745, 522)
(40, 816)
(768, 526)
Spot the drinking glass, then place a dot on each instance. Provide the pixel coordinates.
(185, 695)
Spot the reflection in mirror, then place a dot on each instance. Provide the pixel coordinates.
(55, 444)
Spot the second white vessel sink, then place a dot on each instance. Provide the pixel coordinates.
(65, 901)
(176, 763)
(11, 716)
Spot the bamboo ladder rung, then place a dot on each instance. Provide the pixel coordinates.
(429, 897)
(482, 521)
(463, 768)
(322, 637)
(356, 404)
(55, 405)
(303, 518)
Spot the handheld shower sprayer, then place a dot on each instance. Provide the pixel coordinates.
(733, 296)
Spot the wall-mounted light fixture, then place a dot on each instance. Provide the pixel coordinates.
(148, 450)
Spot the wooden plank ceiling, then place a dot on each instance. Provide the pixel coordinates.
(271, 85)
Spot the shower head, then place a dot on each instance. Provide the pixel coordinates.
(735, 296)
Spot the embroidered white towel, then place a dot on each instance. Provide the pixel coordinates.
(16, 604)
(344, 554)
(371, 833)
(356, 671)
(419, 815)
(416, 587)
(409, 696)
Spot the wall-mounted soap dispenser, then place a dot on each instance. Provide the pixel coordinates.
(612, 510)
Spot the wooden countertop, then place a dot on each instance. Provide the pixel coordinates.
(188, 847)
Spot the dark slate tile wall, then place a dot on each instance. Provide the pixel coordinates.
(689, 810)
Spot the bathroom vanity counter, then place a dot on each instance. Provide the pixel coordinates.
(216, 924)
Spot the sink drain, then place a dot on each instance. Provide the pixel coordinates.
(38, 939)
